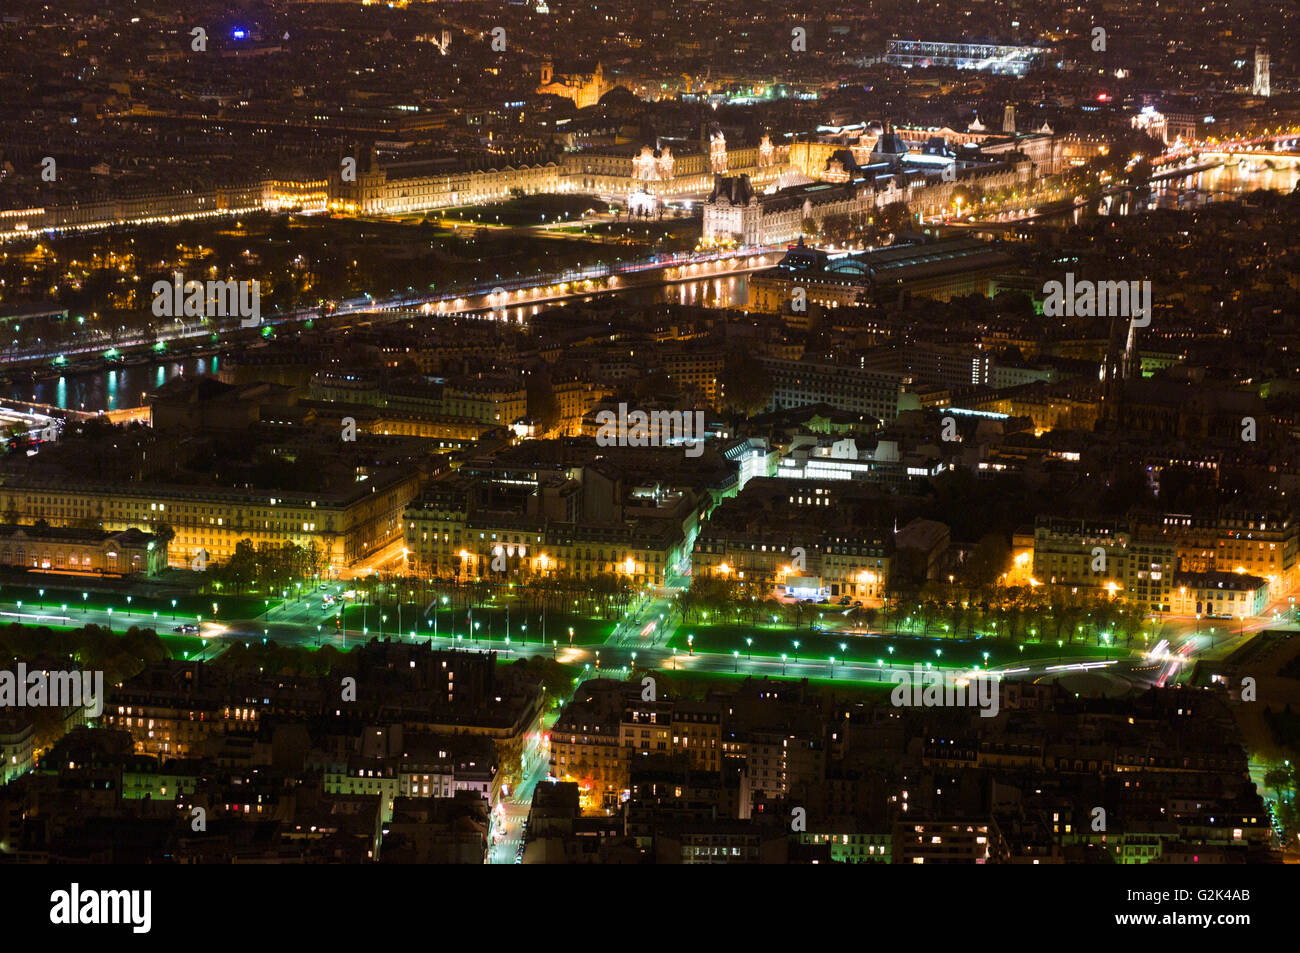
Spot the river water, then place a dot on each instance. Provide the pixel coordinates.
(111, 389)
(126, 387)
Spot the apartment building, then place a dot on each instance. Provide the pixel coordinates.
(941, 842)
(848, 387)
(608, 726)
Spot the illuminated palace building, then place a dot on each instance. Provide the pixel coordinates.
(906, 165)
(170, 205)
(850, 172)
(646, 174)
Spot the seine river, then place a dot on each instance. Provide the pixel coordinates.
(125, 387)
(109, 389)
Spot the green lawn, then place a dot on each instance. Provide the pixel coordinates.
(527, 211)
(771, 641)
(59, 592)
(700, 682)
(490, 622)
(177, 645)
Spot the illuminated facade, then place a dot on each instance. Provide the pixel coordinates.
(584, 86)
(855, 565)
(443, 541)
(662, 173)
(346, 527)
(85, 551)
(1261, 86)
(596, 740)
(1141, 562)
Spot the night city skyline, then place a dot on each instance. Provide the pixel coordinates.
(565, 433)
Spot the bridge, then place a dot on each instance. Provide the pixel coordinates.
(1281, 148)
(35, 409)
(510, 293)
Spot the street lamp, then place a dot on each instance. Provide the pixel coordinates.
(749, 649)
(782, 663)
(735, 660)
(796, 651)
(85, 595)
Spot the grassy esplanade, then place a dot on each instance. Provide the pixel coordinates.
(773, 641)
